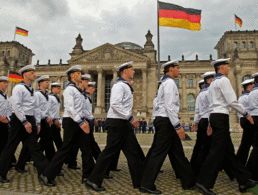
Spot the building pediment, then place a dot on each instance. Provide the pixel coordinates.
(107, 53)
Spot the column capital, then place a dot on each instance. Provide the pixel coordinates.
(99, 70)
(114, 70)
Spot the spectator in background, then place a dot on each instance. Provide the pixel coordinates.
(144, 124)
(150, 124)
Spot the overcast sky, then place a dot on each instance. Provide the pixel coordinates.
(53, 25)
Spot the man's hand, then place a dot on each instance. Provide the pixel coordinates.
(96, 123)
(3, 119)
(28, 127)
(194, 127)
(85, 127)
(57, 123)
(209, 130)
(135, 123)
(38, 129)
(250, 118)
(49, 121)
(181, 133)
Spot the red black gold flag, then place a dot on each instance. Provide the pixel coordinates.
(21, 31)
(238, 20)
(172, 15)
(14, 77)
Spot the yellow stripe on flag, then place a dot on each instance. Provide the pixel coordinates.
(20, 33)
(179, 23)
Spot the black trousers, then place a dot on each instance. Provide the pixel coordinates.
(94, 145)
(72, 133)
(166, 141)
(221, 151)
(17, 134)
(252, 164)
(119, 137)
(4, 138)
(247, 140)
(56, 136)
(202, 145)
(46, 140)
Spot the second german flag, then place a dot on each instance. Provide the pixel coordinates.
(172, 15)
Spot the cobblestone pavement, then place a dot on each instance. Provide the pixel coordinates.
(28, 183)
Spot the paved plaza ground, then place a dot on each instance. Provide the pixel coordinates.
(28, 183)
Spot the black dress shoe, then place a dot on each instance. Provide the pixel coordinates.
(21, 170)
(74, 167)
(46, 181)
(161, 171)
(204, 190)
(61, 173)
(12, 165)
(94, 186)
(247, 185)
(84, 180)
(136, 187)
(116, 170)
(145, 190)
(4, 179)
(108, 177)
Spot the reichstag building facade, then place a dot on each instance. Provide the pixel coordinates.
(101, 63)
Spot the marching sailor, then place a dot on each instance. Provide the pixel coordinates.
(248, 128)
(119, 128)
(74, 125)
(25, 124)
(222, 97)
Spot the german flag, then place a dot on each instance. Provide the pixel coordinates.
(176, 16)
(14, 77)
(21, 31)
(238, 20)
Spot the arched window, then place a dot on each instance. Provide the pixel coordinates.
(2, 53)
(8, 53)
(65, 84)
(190, 82)
(191, 102)
(251, 44)
(246, 77)
(243, 45)
(235, 44)
(177, 82)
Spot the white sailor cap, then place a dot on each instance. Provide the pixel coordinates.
(255, 75)
(220, 62)
(125, 66)
(208, 74)
(86, 77)
(201, 82)
(3, 78)
(248, 81)
(56, 84)
(26, 69)
(170, 63)
(76, 68)
(91, 84)
(43, 78)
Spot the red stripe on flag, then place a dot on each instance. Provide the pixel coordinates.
(179, 15)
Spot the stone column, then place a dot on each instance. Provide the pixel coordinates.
(114, 75)
(184, 100)
(99, 89)
(144, 90)
(198, 78)
(238, 82)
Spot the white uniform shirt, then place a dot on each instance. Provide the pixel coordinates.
(88, 107)
(154, 111)
(202, 105)
(4, 105)
(43, 101)
(168, 101)
(222, 96)
(243, 100)
(74, 103)
(54, 107)
(25, 103)
(121, 100)
(253, 101)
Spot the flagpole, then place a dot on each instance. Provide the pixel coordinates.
(235, 21)
(158, 40)
(14, 33)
